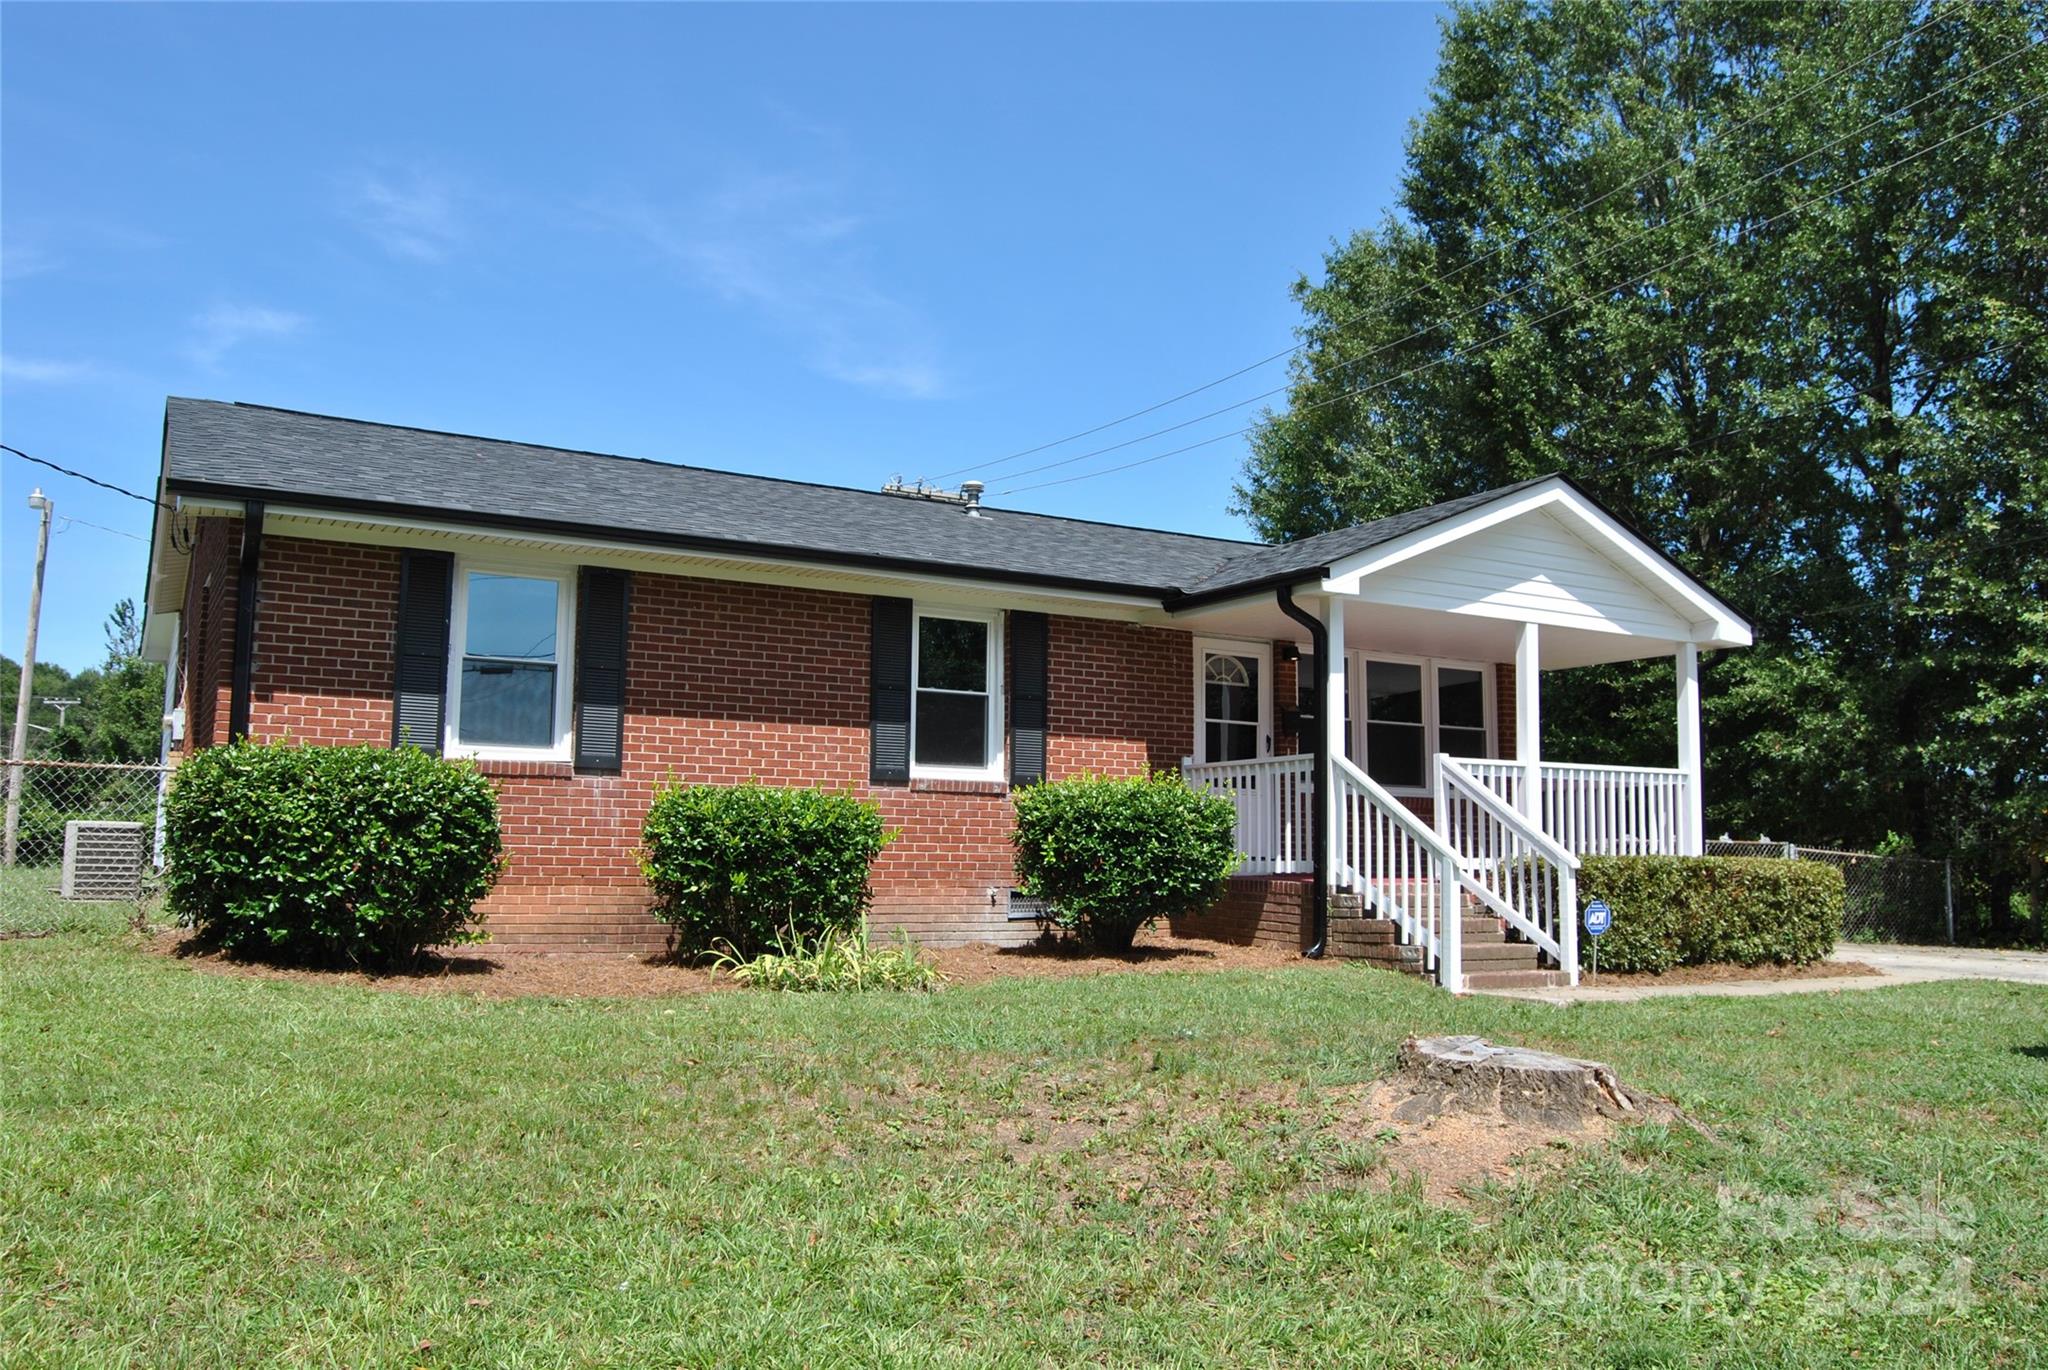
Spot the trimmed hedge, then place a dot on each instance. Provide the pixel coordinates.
(744, 869)
(1703, 910)
(1109, 855)
(329, 855)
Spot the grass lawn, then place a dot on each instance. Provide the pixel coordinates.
(1133, 1169)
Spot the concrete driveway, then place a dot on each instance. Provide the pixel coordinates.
(1949, 963)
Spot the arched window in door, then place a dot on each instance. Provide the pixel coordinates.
(1230, 707)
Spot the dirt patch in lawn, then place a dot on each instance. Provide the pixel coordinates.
(497, 973)
(1452, 1156)
(1727, 974)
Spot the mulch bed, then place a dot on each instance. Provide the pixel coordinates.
(1726, 974)
(498, 973)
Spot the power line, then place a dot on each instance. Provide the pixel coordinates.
(1431, 281)
(1600, 252)
(66, 521)
(89, 480)
(1512, 329)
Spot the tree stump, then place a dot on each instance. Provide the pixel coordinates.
(1470, 1075)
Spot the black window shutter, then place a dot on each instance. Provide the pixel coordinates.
(1027, 698)
(889, 692)
(602, 599)
(420, 694)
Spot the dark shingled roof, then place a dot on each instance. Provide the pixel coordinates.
(1275, 561)
(252, 451)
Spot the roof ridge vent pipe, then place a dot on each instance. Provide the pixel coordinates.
(1319, 644)
(970, 490)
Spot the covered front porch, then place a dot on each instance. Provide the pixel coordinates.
(1377, 721)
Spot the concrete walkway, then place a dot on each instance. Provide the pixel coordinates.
(1950, 963)
(1897, 966)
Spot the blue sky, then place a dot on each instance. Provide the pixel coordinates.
(836, 244)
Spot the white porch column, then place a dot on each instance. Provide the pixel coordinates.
(1529, 723)
(1332, 724)
(1693, 835)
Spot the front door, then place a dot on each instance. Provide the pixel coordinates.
(1233, 702)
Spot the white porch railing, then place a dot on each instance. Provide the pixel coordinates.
(1402, 871)
(1599, 810)
(1275, 801)
(1516, 869)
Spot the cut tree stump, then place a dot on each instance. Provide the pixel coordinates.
(1470, 1075)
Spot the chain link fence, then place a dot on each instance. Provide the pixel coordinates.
(81, 845)
(1890, 898)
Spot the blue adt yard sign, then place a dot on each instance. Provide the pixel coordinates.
(1599, 918)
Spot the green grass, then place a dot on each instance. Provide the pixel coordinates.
(30, 906)
(1136, 1169)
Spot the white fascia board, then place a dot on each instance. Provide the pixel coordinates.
(283, 520)
(1713, 622)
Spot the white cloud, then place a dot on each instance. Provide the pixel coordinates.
(789, 246)
(224, 327)
(42, 371)
(409, 212)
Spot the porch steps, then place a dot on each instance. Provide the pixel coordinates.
(1492, 961)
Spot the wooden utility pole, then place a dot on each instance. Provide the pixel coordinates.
(18, 754)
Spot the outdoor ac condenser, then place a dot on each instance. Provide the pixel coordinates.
(103, 860)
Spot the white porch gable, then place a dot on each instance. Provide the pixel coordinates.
(1550, 556)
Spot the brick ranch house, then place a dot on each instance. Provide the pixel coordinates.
(587, 627)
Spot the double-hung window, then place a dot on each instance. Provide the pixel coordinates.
(510, 672)
(1416, 709)
(956, 721)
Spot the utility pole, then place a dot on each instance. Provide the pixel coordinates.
(19, 753)
(63, 708)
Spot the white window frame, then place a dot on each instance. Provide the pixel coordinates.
(1354, 671)
(1223, 646)
(563, 747)
(997, 767)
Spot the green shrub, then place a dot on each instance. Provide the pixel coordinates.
(1108, 856)
(741, 869)
(1704, 910)
(332, 855)
(841, 959)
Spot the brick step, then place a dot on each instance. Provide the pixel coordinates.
(1499, 954)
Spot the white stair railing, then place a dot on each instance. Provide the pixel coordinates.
(1516, 869)
(1401, 871)
(1275, 801)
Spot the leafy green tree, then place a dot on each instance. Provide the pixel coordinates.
(118, 710)
(1773, 281)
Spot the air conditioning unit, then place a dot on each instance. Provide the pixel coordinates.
(103, 861)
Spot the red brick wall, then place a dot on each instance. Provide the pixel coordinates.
(322, 662)
(725, 682)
